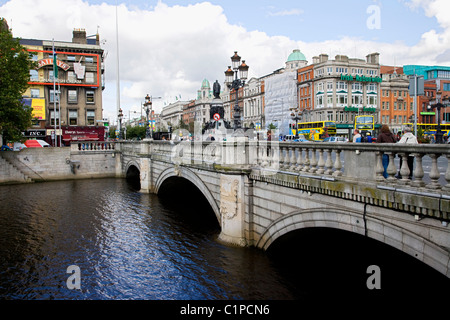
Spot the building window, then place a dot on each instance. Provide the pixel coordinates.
(73, 117)
(34, 75)
(71, 58)
(90, 77)
(50, 75)
(71, 77)
(52, 117)
(320, 86)
(330, 115)
(329, 100)
(35, 93)
(443, 74)
(90, 97)
(357, 86)
(446, 86)
(357, 99)
(72, 96)
(372, 87)
(341, 85)
(320, 100)
(90, 117)
(371, 100)
(89, 60)
(52, 96)
(329, 86)
(342, 99)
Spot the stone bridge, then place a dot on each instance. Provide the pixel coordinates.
(261, 190)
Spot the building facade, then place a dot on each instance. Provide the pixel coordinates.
(73, 99)
(345, 87)
(436, 89)
(253, 103)
(397, 106)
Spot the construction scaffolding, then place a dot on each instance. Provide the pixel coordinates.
(280, 99)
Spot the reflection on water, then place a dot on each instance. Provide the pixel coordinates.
(130, 245)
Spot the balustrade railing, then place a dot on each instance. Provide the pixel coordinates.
(93, 146)
(360, 162)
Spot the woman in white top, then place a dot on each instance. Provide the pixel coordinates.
(410, 138)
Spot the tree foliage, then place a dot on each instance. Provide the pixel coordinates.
(15, 65)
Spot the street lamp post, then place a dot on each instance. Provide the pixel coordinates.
(296, 117)
(148, 111)
(438, 106)
(120, 117)
(236, 83)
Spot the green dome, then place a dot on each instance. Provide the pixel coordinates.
(296, 55)
(205, 84)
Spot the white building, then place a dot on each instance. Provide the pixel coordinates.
(172, 114)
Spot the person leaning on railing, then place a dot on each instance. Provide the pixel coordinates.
(409, 138)
(386, 136)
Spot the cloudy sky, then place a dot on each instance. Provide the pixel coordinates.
(168, 47)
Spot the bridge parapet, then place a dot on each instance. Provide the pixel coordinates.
(348, 170)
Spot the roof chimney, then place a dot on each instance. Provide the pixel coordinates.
(79, 36)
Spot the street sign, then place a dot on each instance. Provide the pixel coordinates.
(216, 116)
(416, 86)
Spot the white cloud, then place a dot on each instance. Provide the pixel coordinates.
(168, 50)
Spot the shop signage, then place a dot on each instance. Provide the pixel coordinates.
(348, 77)
(34, 133)
(364, 109)
(59, 63)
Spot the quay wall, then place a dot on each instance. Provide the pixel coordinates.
(47, 164)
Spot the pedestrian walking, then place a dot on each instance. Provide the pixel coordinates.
(356, 136)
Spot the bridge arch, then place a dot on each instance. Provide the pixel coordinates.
(130, 167)
(189, 175)
(387, 233)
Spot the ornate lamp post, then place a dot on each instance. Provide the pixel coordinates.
(438, 106)
(236, 83)
(120, 117)
(295, 115)
(148, 107)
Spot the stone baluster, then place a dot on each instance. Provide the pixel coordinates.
(282, 157)
(306, 161)
(434, 172)
(299, 159)
(329, 163)
(313, 163)
(447, 175)
(321, 163)
(391, 169)
(418, 171)
(293, 161)
(264, 157)
(404, 169)
(338, 164)
(379, 166)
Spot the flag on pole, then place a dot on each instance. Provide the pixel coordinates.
(55, 65)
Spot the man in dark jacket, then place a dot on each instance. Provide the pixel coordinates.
(386, 136)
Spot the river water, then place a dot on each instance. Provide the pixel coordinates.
(129, 245)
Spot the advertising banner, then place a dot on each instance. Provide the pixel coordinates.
(38, 106)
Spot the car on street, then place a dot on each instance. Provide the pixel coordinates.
(335, 139)
(292, 138)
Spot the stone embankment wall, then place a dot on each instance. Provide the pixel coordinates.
(47, 164)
